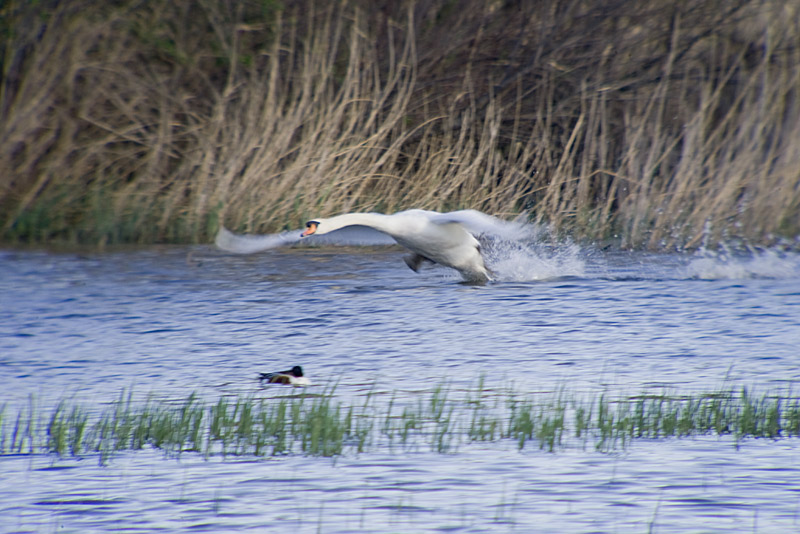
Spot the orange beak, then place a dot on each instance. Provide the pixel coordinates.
(312, 227)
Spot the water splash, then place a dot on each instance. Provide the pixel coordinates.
(725, 264)
(528, 261)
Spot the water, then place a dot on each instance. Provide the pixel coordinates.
(166, 321)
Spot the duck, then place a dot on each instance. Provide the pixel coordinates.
(451, 239)
(292, 377)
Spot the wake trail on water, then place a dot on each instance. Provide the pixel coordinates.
(725, 264)
(538, 257)
(704, 264)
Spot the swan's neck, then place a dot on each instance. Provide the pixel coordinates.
(378, 221)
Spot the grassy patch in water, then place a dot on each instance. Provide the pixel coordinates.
(321, 425)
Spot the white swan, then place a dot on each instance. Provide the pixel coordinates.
(448, 239)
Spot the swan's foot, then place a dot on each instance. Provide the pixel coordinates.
(476, 279)
(415, 260)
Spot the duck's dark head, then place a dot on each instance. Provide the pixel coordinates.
(297, 370)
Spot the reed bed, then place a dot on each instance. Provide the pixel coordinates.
(319, 425)
(649, 124)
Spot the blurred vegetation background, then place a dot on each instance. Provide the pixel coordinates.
(642, 123)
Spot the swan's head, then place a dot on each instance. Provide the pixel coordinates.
(311, 227)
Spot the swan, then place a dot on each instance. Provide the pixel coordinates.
(292, 377)
(449, 239)
(431, 237)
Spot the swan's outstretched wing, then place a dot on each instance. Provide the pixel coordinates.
(250, 243)
(478, 223)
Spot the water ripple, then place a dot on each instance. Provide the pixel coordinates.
(89, 326)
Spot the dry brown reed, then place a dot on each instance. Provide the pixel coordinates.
(649, 124)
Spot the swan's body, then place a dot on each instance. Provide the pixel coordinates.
(435, 237)
(449, 239)
(292, 377)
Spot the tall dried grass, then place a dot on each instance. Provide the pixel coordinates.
(660, 126)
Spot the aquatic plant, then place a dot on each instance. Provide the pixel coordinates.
(320, 425)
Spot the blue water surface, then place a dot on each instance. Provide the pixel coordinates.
(168, 321)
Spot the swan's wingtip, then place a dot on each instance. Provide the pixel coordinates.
(222, 232)
(224, 239)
